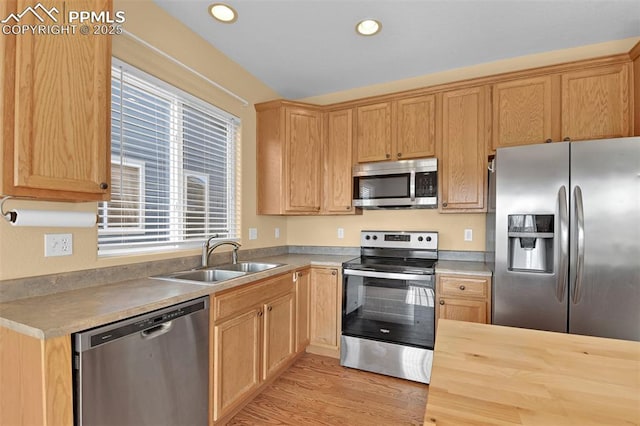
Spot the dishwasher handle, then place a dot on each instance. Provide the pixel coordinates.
(156, 331)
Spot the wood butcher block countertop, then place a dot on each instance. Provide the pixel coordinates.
(492, 375)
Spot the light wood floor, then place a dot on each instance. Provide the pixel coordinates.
(316, 390)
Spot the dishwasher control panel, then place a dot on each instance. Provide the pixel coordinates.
(145, 322)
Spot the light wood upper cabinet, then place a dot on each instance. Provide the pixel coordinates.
(302, 160)
(396, 130)
(373, 132)
(56, 123)
(461, 150)
(326, 308)
(289, 142)
(338, 163)
(595, 103)
(522, 112)
(415, 129)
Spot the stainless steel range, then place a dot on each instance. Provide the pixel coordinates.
(388, 311)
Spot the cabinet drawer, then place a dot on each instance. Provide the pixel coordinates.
(242, 299)
(463, 287)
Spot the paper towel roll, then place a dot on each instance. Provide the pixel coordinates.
(46, 218)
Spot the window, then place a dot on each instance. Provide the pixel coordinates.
(173, 168)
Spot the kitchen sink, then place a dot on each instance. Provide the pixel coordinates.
(248, 267)
(215, 274)
(206, 276)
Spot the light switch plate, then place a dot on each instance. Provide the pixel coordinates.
(253, 233)
(58, 245)
(341, 233)
(277, 233)
(468, 234)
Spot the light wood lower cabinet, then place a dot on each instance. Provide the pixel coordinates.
(303, 304)
(463, 298)
(279, 333)
(35, 380)
(326, 309)
(253, 340)
(236, 365)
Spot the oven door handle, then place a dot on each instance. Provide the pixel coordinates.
(388, 275)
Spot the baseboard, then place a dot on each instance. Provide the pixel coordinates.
(324, 351)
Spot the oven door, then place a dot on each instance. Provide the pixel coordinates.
(390, 307)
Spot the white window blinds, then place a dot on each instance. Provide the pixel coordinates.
(173, 167)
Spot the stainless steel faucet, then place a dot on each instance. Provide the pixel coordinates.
(207, 249)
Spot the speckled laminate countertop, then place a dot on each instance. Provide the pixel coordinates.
(72, 311)
(462, 267)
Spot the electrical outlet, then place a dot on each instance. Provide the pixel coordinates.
(253, 233)
(277, 233)
(468, 234)
(58, 245)
(341, 233)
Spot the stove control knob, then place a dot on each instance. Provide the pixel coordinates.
(420, 238)
(375, 237)
(368, 237)
(428, 238)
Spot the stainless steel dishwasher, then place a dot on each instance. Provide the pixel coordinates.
(152, 369)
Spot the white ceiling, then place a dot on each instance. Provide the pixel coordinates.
(304, 48)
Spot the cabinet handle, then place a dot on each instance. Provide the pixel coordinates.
(269, 308)
(104, 185)
(548, 141)
(567, 139)
(259, 313)
(445, 204)
(348, 207)
(388, 155)
(296, 275)
(461, 287)
(399, 154)
(334, 272)
(441, 302)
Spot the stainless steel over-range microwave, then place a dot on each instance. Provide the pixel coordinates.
(396, 184)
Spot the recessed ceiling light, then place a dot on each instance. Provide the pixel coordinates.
(368, 27)
(223, 13)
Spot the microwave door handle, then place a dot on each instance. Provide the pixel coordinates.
(412, 185)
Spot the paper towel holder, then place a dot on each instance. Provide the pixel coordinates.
(18, 217)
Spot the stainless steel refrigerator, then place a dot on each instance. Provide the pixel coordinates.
(564, 221)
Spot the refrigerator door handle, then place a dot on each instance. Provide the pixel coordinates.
(579, 244)
(563, 244)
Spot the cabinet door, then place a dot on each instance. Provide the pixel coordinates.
(338, 155)
(462, 150)
(462, 310)
(595, 103)
(303, 283)
(325, 308)
(57, 110)
(236, 360)
(279, 333)
(522, 112)
(416, 127)
(302, 162)
(374, 132)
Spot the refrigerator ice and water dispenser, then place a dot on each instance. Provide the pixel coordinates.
(530, 243)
